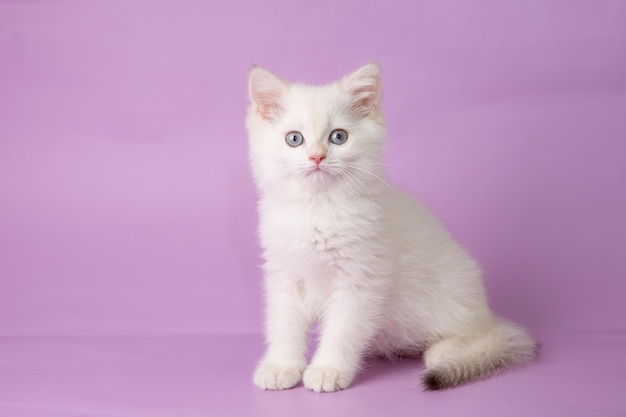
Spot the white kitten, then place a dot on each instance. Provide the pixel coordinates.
(341, 247)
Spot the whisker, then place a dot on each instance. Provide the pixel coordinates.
(359, 182)
(371, 174)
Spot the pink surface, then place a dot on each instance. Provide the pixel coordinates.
(129, 279)
(209, 375)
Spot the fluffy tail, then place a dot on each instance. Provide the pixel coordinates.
(456, 360)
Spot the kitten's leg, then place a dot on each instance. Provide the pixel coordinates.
(286, 331)
(350, 323)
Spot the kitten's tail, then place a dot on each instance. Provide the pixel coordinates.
(456, 360)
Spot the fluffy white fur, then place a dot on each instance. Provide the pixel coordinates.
(374, 268)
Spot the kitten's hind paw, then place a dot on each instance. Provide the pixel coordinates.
(275, 377)
(326, 379)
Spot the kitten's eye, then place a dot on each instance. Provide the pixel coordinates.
(338, 137)
(294, 139)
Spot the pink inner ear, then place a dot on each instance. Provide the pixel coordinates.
(267, 103)
(363, 88)
(364, 95)
(365, 99)
(266, 93)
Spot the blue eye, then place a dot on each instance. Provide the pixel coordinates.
(294, 139)
(338, 137)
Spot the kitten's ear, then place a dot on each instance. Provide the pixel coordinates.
(364, 89)
(266, 91)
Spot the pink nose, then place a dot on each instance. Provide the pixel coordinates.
(317, 158)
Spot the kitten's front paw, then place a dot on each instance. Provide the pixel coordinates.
(326, 379)
(275, 377)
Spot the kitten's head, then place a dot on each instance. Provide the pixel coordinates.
(315, 137)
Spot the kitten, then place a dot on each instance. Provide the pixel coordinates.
(374, 268)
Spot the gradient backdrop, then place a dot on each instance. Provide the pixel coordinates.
(129, 268)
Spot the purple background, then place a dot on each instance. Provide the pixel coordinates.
(129, 279)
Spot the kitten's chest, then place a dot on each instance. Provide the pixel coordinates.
(320, 229)
(323, 227)
(324, 237)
